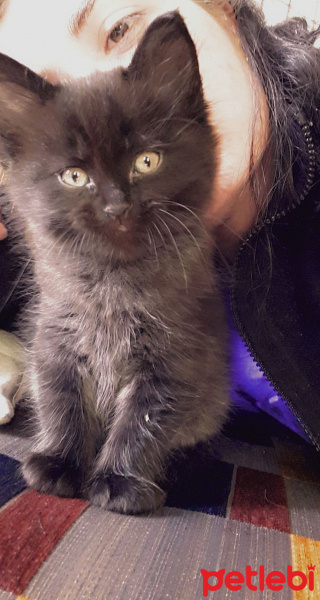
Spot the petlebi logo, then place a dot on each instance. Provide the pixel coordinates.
(258, 579)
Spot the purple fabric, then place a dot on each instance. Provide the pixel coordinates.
(251, 390)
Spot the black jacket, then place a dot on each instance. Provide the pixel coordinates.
(276, 291)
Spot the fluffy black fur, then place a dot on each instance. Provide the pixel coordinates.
(128, 359)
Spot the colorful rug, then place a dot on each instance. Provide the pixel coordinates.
(244, 506)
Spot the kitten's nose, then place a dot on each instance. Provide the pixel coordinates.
(116, 203)
(117, 210)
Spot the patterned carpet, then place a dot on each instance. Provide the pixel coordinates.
(250, 499)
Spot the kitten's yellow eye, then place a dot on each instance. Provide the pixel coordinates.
(74, 177)
(147, 162)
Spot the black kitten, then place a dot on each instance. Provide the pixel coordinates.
(111, 176)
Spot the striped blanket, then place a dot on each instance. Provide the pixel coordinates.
(243, 506)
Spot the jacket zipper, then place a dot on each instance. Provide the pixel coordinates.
(306, 128)
(261, 365)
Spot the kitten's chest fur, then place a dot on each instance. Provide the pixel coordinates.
(114, 319)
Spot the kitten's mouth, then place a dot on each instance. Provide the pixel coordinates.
(126, 238)
(123, 228)
(122, 225)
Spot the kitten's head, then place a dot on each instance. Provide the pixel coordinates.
(114, 164)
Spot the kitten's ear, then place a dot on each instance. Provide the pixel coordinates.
(166, 60)
(22, 94)
(12, 72)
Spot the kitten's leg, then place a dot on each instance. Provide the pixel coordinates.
(64, 446)
(130, 465)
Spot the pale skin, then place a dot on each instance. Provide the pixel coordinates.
(60, 39)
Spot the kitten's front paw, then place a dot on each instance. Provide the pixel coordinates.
(125, 495)
(51, 475)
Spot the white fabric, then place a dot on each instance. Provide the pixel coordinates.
(12, 361)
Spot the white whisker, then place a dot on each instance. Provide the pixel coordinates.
(189, 210)
(159, 232)
(152, 243)
(185, 227)
(177, 250)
